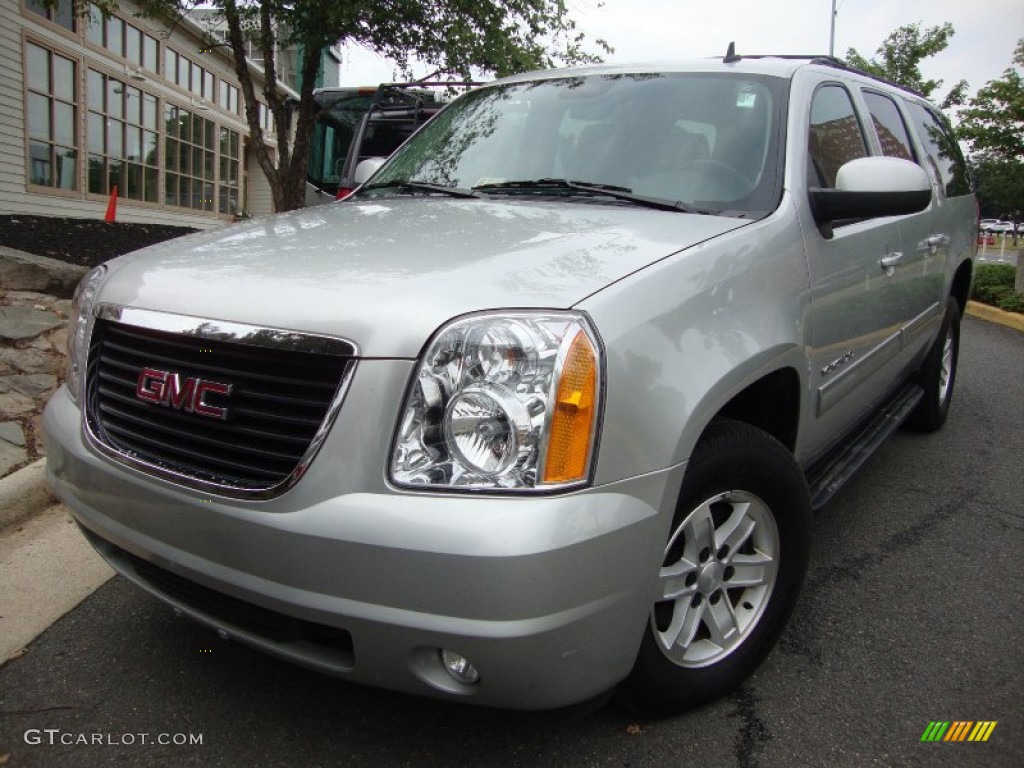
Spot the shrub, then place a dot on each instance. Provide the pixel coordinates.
(993, 283)
(1012, 302)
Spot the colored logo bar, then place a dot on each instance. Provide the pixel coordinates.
(958, 730)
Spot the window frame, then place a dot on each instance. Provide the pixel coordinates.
(943, 180)
(126, 124)
(812, 172)
(206, 76)
(51, 141)
(907, 127)
(121, 55)
(46, 19)
(213, 180)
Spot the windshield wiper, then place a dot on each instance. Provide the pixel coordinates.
(422, 186)
(609, 190)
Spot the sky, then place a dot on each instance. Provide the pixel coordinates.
(663, 30)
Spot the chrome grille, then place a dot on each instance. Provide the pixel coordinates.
(280, 404)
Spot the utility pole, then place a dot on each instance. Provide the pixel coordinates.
(832, 32)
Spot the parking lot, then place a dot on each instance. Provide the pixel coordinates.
(911, 614)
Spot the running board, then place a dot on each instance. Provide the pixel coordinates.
(831, 473)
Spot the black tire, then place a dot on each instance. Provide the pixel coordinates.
(737, 474)
(937, 374)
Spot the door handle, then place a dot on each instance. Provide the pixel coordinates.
(937, 241)
(890, 260)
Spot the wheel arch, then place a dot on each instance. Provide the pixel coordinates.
(769, 400)
(960, 289)
(771, 404)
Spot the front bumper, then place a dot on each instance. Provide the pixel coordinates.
(547, 596)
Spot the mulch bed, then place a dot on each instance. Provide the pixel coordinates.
(85, 242)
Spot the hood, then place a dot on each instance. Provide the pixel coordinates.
(385, 274)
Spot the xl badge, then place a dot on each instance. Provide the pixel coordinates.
(189, 395)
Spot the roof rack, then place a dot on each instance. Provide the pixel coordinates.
(815, 58)
(398, 96)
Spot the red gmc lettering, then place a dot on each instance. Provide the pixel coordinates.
(189, 395)
(150, 385)
(177, 396)
(200, 406)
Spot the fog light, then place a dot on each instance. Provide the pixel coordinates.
(459, 667)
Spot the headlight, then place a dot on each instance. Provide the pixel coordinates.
(503, 401)
(78, 332)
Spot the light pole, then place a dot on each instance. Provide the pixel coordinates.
(832, 32)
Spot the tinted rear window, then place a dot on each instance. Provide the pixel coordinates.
(944, 158)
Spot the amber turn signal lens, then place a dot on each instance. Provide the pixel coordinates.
(573, 420)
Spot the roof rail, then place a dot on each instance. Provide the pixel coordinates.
(816, 58)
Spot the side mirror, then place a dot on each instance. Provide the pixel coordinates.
(870, 187)
(366, 169)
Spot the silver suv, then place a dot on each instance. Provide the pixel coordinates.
(544, 408)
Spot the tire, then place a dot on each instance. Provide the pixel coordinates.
(937, 374)
(744, 496)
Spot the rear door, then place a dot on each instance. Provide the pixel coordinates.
(942, 235)
(924, 247)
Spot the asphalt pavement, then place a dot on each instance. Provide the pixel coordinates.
(911, 614)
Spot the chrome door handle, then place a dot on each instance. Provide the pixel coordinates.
(890, 260)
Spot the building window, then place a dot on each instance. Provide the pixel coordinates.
(228, 97)
(61, 12)
(52, 115)
(123, 39)
(122, 137)
(266, 118)
(228, 200)
(188, 75)
(190, 151)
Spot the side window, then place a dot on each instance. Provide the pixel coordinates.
(943, 153)
(835, 136)
(889, 125)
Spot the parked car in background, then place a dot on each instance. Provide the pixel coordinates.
(543, 409)
(996, 226)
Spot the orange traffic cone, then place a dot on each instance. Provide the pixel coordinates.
(112, 206)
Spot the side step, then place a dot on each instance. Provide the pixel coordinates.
(830, 474)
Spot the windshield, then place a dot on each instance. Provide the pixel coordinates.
(709, 141)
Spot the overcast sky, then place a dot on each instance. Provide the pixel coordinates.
(660, 30)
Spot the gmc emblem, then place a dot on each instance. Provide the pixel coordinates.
(168, 389)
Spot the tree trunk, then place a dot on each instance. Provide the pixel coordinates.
(285, 165)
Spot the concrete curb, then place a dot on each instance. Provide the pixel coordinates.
(24, 493)
(995, 315)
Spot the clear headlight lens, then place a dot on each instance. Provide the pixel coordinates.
(78, 331)
(503, 401)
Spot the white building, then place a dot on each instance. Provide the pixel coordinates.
(287, 59)
(87, 104)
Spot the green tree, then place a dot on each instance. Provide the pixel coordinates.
(992, 125)
(900, 56)
(999, 185)
(498, 37)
